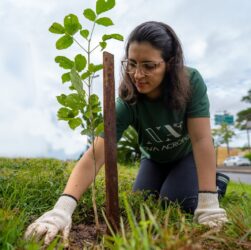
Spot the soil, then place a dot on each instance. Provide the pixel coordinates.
(85, 236)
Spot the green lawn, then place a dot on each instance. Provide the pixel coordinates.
(239, 188)
(30, 187)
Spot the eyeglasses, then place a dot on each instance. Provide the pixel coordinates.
(147, 68)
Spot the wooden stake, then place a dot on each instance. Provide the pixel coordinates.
(111, 172)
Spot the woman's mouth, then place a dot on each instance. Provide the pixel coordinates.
(140, 84)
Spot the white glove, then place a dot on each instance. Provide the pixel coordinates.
(208, 211)
(54, 221)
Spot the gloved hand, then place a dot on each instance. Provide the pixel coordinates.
(54, 221)
(208, 211)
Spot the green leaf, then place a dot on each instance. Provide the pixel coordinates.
(57, 28)
(72, 24)
(74, 123)
(66, 114)
(103, 45)
(113, 36)
(96, 109)
(64, 42)
(104, 5)
(94, 68)
(77, 82)
(61, 99)
(80, 62)
(87, 113)
(75, 101)
(84, 33)
(93, 100)
(90, 14)
(97, 119)
(64, 62)
(105, 21)
(86, 131)
(66, 77)
(85, 75)
(99, 129)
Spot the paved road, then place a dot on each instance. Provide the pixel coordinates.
(234, 169)
(243, 178)
(238, 174)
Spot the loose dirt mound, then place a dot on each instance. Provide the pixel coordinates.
(85, 236)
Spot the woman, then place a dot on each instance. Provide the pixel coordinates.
(168, 106)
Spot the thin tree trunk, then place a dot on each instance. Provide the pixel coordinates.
(217, 151)
(228, 150)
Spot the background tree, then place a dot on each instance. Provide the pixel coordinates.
(247, 98)
(244, 117)
(223, 134)
(217, 140)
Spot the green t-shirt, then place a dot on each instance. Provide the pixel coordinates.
(162, 133)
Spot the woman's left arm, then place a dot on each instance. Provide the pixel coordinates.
(208, 211)
(203, 150)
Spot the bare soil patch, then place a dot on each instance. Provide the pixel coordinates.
(85, 236)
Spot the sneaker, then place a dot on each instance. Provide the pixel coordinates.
(221, 184)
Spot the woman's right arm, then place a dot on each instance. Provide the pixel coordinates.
(58, 220)
(84, 171)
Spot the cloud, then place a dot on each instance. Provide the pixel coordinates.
(32, 131)
(215, 37)
(30, 82)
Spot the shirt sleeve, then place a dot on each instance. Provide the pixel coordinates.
(124, 117)
(198, 106)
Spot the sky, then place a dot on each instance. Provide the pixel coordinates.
(215, 36)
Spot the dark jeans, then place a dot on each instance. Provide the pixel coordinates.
(175, 182)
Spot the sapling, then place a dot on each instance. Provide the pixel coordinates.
(82, 108)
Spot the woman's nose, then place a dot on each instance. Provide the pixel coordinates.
(138, 73)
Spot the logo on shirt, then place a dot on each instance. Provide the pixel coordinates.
(165, 137)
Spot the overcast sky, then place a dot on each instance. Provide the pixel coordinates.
(215, 35)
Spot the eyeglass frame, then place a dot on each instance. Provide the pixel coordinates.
(138, 65)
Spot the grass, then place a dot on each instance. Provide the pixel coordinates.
(239, 188)
(29, 187)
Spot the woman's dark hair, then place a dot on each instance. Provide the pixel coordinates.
(176, 87)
